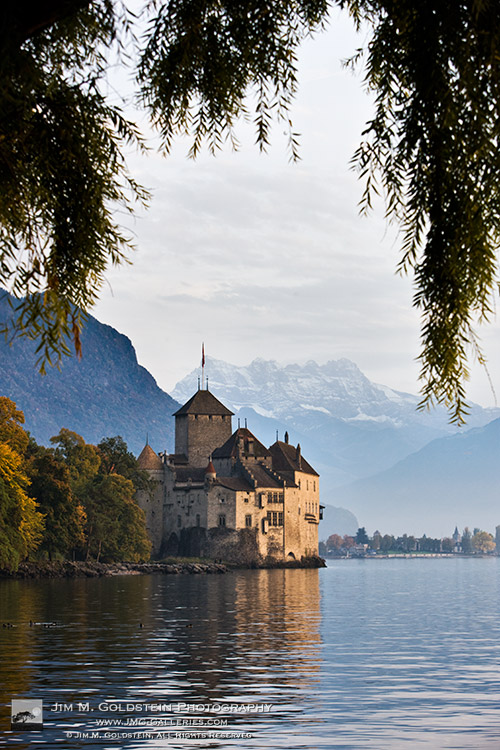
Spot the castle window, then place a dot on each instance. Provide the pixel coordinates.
(269, 497)
(281, 497)
(248, 520)
(274, 518)
(179, 521)
(222, 519)
(275, 497)
(299, 484)
(307, 484)
(245, 499)
(314, 486)
(198, 519)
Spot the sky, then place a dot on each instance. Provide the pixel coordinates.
(259, 257)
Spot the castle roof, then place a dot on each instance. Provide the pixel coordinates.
(203, 402)
(190, 473)
(230, 447)
(148, 459)
(264, 478)
(210, 468)
(287, 458)
(235, 483)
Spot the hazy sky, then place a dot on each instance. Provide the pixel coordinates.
(258, 257)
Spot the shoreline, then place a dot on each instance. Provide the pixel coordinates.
(80, 569)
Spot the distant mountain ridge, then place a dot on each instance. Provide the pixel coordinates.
(453, 480)
(106, 393)
(355, 427)
(337, 389)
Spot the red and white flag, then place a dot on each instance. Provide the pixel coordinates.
(203, 355)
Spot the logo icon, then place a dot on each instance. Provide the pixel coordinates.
(26, 715)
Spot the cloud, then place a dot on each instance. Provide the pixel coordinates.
(259, 257)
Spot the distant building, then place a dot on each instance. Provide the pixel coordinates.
(457, 540)
(219, 481)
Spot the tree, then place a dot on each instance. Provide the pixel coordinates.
(64, 515)
(483, 542)
(362, 536)
(117, 459)
(387, 543)
(21, 525)
(466, 541)
(112, 526)
(431, 144)
(116, 527)
(115, 456)
(334, 541)
(82, 460)
(11, 432)
(447, 544)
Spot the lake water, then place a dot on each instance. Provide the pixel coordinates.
(378, 654)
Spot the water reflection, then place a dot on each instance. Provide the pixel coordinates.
(375, 655)
(247, 637)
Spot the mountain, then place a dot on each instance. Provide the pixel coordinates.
(106, 393)
(349, 426)
(451, 481)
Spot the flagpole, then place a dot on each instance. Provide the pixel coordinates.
(202, 365)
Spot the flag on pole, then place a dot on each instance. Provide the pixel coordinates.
(203, 355)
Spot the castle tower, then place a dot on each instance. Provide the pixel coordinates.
(201, 426)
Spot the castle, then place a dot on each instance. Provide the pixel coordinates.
(225, 485)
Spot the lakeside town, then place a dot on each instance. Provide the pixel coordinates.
(475, 542)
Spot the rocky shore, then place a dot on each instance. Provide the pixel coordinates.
(69, 569)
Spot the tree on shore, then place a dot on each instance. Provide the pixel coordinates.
(431, 145)
(387, 543)
(64, 514)
(335, 542)
(115, 524)
(483, 542)
(362, 536)
(21, 523)
(104, 480)
(447, 544)
(466, 541)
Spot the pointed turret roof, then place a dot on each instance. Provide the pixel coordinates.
(203, 402)
(148, 459)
